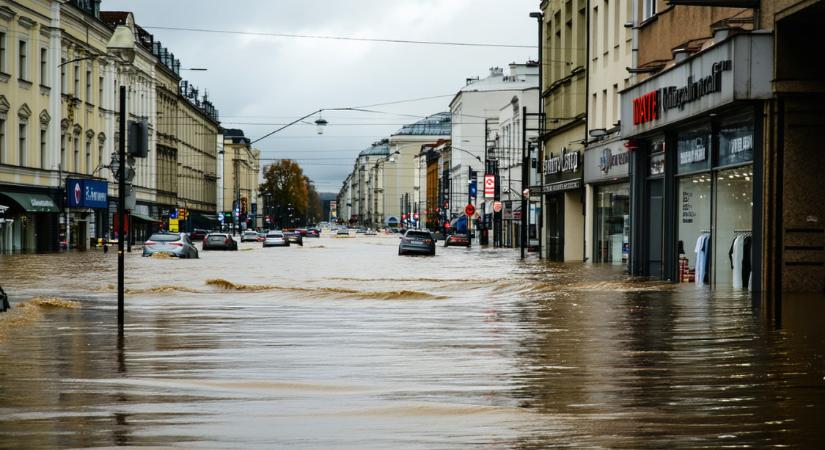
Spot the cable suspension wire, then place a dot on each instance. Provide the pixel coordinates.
(340, 38)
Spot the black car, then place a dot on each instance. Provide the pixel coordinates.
(219, 241)
(462, 240)
(197, 235)
(294, 237)
(417, 242)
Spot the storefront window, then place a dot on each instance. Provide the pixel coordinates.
(612, 223)
(694, 228)
(693, 150)
(734, 216)
(736, 141)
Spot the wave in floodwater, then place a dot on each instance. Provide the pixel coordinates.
(350, 293)
(27, 312)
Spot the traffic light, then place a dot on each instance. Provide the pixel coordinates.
(473, 188)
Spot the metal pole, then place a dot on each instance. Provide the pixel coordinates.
(539, 142)
(525, 183)
(121, 209)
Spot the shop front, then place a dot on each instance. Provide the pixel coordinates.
(696, 166)
(87, 202)
(607, 222)
(29, 220)
(563, 211)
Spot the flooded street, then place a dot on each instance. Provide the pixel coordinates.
(343, 344)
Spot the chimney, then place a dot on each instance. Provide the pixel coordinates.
(496, 72)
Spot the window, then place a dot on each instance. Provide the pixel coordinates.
(649, 9)
(100, 154)
(2, 140)
(23, 72)
(100, 91)
(594, 39)
(63, 161)
(44, 71)
(63, 75)
(77, 81)
(616, 113)
(89, 156)
(606, 28)
(89, 83)
(43, 148)
(3, 52)
(76, 167)
(22, 146)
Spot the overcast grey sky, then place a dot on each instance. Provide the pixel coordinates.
(258, 82)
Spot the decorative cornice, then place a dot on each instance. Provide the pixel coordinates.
(26, 22)
(6, 13)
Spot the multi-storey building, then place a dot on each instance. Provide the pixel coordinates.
(565, 62)
(241, 179)
(606, 159)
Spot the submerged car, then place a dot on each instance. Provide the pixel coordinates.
(172, 244)
(313, 232)
(197, 235)
(219, 241)
(342, 232)
(249, 236)
(294, 237)
(275, 239)
(418, 242)
(371, 232)
(462, 240)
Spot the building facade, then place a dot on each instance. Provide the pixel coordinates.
(241, 180)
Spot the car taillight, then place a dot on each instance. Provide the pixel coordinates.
(227, 241)
(150, 243)
(177, 244)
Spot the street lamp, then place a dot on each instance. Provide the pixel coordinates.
(122, 45)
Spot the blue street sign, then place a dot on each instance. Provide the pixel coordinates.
(87, 193)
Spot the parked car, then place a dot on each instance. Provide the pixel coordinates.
(371, 232)
(313, 232)
(360, 230)
(294, 237)
(249, 236)
(197, 235)
(417, 241)
(275, 239)
(172, 244)
(219, 241)
(457, 240)
(342, 232)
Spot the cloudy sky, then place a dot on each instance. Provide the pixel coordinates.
(258, 82)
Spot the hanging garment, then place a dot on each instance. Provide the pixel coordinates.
(708, 253)
(747, 242)
(700, 258)
(736, 261)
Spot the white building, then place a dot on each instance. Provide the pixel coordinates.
(472, 108)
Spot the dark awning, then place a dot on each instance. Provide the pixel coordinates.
(34, 203)
(139, 216)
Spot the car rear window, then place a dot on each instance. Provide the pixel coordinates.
(164, 237)
(217, 237)
(418, 235)
(277, 235)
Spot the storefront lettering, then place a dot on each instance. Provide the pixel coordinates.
(741, 144)
(566, 162)
(608, 160)
(696, 153)
(38, 203)
(95, 196)
(650, 106)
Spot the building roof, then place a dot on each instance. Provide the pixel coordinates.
(439, 124)
(380, 148)
(235, 135)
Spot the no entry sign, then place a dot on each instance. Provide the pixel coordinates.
(497, 206)
(469, 210)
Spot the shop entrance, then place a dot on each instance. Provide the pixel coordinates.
(655, 206)
(555, 228)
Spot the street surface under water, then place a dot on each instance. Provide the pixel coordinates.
(343, 344)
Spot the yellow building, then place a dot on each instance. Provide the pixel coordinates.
(240, 180)
(564, 79)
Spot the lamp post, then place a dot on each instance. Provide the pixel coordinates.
(122, 45)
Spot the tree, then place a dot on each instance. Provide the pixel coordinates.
(314, 207)
(285, 182)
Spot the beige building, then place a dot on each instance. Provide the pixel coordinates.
(564, 92)
(240, 182)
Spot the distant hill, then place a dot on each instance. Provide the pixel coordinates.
(327, 196)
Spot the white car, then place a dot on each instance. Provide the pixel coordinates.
(249, 236)
(275, 239)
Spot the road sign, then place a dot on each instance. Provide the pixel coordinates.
(469, 210)
(497, 206)
(489, 185)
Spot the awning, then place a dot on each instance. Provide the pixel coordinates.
(144, 218)
(34, 203)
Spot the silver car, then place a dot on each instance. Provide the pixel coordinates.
(276, 239)
(171, 244)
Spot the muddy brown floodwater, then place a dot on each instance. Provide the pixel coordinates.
(344, 344)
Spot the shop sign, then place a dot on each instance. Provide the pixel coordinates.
(563, 186)
(489, 185)
(608, 162)
(566, 162)
(83, 193)
(739, 68)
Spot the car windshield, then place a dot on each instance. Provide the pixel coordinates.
(418, 235)
(164, 237)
